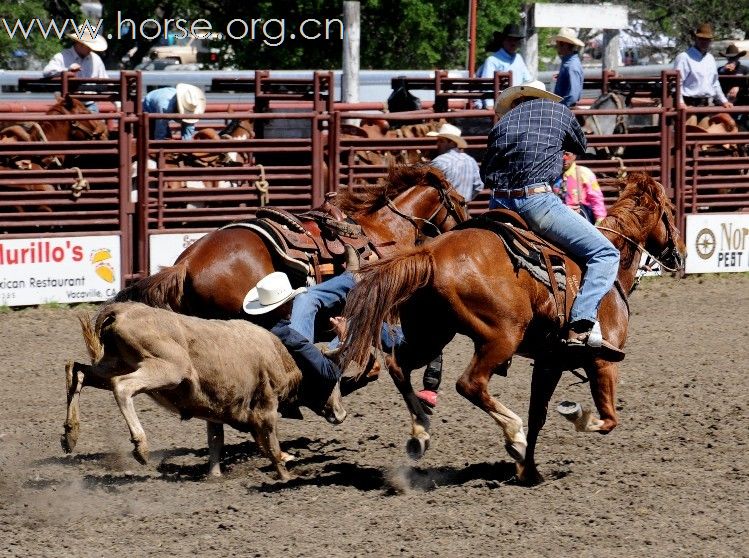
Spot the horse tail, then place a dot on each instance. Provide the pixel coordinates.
(384, 286)
(164, 289)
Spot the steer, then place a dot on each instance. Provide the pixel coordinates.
(225, 372)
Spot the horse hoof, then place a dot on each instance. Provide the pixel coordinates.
(417, 447)
(516, 451)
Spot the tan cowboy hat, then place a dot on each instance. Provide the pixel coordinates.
(190, 100)
(270, 292)
(450, 132)
(97, 43)
(704, 31)
(732, 52)
(533, 89)
(568, 35)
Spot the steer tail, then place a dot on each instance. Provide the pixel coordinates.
(91, 337)
(384, 286)
(164, 289)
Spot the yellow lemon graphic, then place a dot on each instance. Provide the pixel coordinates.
(105, 271)
(100, 254)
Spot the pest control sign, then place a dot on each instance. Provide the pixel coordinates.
(717, 243)
(165, 248)
(61, 269)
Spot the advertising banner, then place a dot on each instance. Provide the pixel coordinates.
(717, 243)
(61, 269)
(164, 248)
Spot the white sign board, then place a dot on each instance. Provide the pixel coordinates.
(600, 16)
(717, 243)
(60, 269)
(165, 248)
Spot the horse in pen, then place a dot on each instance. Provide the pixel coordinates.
(475, 281)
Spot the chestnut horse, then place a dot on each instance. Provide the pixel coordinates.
(212, 276)
(465, 282)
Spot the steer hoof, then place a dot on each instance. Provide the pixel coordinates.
(140, 453)
(69, 439)
(417, 447)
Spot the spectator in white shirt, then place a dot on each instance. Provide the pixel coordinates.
(699, 72)
(81, 58)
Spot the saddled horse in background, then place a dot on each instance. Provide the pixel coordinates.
(213, 275)
(466, 282)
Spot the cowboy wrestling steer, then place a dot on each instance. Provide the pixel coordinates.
(225, 372)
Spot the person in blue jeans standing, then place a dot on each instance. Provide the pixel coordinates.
(524, 155)
(569, 85)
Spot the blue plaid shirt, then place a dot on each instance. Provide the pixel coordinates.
(526, 146)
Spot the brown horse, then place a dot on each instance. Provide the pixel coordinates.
(213, 275)
(465, 282)
(57, 130)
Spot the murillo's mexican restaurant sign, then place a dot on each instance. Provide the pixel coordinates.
(60, 269)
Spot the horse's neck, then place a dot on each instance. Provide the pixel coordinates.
(392, 229)
(629, 261)
(55, 131)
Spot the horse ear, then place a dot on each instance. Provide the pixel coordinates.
(68, 101)
(435, 177)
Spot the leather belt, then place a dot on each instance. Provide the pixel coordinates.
(529, 190)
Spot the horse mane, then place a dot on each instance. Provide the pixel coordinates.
(369, 199)
(640, 204)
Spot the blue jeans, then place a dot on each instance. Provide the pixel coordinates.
(330, 296)
(548, 217)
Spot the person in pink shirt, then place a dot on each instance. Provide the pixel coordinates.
(579, 189)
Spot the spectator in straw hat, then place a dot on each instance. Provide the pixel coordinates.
(733, 67)
(505, 57)
(81, 58)
(699, 72)
(182, 99)
(460, 169)
(524, 156)
(569, 84)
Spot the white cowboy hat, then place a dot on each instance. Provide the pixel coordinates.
(535, 89)
(190, 100)
(450, 132)
(97, 44)
(567, 35)
(270, 292)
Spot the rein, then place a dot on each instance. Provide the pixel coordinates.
(446, 202)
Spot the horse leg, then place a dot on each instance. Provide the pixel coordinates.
(419, 441)
(77, 375)
(491, 358)
(543, 384)
(603, 377)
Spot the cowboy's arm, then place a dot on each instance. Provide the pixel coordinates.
(681, 65)
(188, 131)
(55, 66)
(576, 78)
(478, 184)
(718, 90)
(574, 139)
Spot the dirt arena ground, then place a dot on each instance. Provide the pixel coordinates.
(671, 480)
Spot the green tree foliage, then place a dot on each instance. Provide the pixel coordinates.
(37, 50)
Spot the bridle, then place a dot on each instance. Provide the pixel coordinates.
(88, 133)
(227, 132)
(650, 260)
(447, 202)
